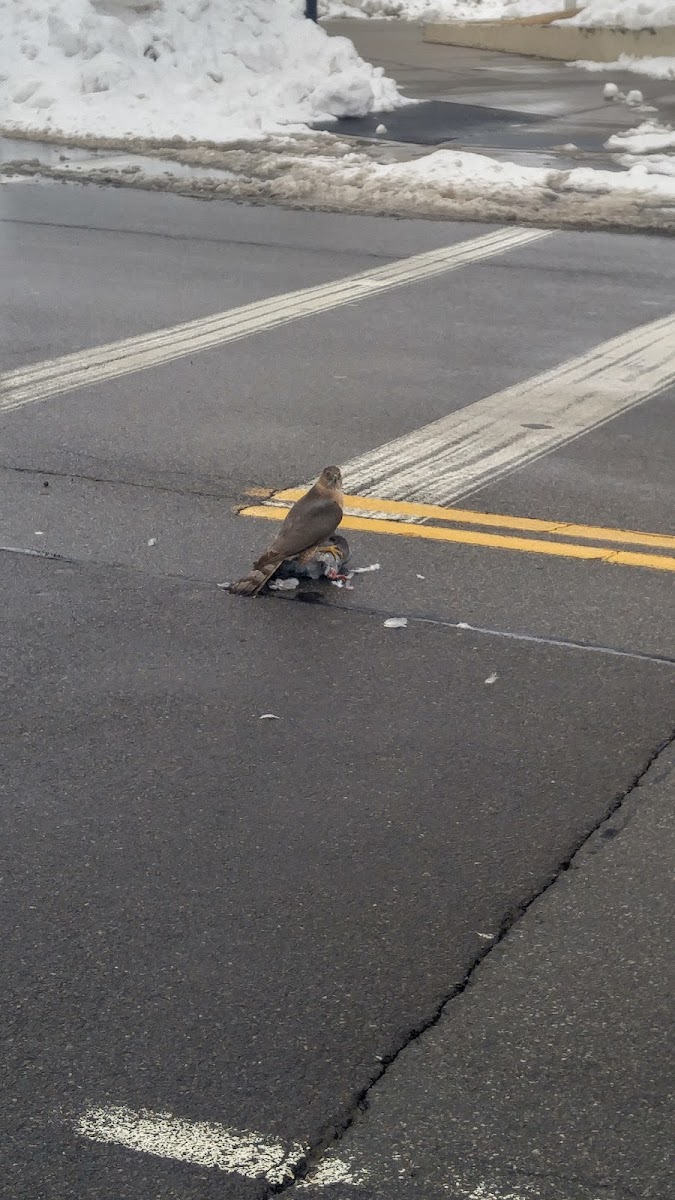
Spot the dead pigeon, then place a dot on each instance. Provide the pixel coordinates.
(329, 561)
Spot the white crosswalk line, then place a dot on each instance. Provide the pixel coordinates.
(454, 456)
(40, 381)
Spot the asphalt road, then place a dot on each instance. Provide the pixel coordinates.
(238, 921)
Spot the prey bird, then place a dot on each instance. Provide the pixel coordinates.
(311, 520)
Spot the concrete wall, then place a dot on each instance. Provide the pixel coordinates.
(554, 41)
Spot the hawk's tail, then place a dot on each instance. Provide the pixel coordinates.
(257, 577)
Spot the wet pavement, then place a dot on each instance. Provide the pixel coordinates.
(551, 110)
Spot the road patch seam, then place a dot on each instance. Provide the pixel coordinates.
(331, 1140)
(361, 610)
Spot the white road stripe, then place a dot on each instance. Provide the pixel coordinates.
(451, 458)
(204, 1143)
(26, 385)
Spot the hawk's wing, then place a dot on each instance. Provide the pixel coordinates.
(311, 519)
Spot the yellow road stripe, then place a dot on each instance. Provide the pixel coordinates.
(434, 512)
(470, 537)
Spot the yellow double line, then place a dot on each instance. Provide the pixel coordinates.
(394, 522)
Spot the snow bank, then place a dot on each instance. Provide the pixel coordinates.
(213, 70)
(436, 10)
(453, 173)
(626, 14)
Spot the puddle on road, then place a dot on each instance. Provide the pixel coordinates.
(73, 162)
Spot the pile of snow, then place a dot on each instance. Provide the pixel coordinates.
(655, 68)
(646, 138)
(436, 10)
(648, 149)
(626, 14)
(213, 70)
(451, 172)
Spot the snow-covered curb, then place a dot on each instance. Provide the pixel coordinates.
(331, 174)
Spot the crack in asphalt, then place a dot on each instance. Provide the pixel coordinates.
(293, 247)
(341, 1125)
(360, 609)
(209, 492)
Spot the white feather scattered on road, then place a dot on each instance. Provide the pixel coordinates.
(492, 678)
(284, 585)
(152, 541)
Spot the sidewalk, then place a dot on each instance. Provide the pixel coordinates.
(550, 1077)
(560, 103)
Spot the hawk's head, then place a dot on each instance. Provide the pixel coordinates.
(331, 477)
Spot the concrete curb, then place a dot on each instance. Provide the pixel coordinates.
(569, 43)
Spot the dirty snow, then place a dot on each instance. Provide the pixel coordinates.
(213, 70)
(326, 172)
